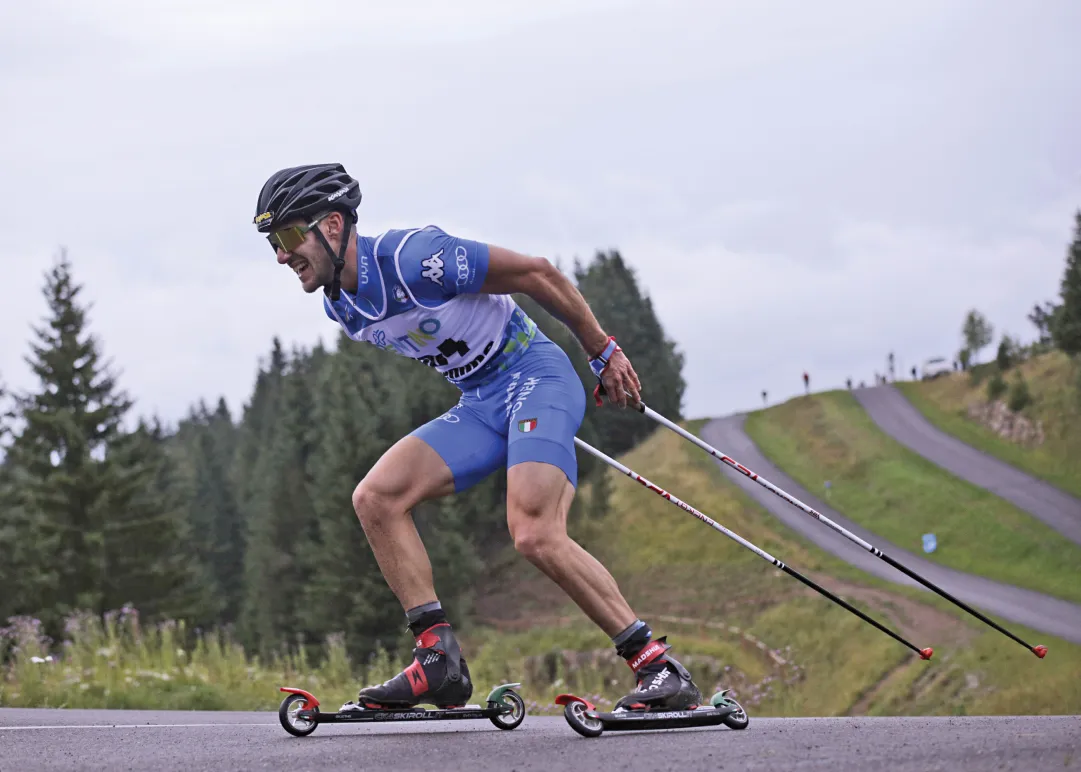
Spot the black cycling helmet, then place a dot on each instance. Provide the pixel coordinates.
(304, 192)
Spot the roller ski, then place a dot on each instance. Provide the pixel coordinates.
(438, 676)
(665, 697)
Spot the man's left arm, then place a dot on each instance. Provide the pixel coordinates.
(509, 272)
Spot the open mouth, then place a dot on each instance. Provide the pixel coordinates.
(301, 268)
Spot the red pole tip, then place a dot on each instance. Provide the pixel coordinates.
(926, 653)
(1039, 651)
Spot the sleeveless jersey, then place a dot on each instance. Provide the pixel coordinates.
(417, 296)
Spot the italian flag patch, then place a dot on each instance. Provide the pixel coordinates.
(528, 425)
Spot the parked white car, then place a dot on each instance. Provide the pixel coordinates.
(935, 367)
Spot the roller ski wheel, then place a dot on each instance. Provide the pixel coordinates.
(300, 715)
(581, 715)
(737, 719)
(510, 705)
(586, 720)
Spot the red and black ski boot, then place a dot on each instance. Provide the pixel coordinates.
(663, 683)
(438, 676)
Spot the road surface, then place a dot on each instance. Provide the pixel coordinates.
(1036, 610)
(898, 418)
(191, 741)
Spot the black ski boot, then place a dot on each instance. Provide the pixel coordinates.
(438, 676)
(663, 683)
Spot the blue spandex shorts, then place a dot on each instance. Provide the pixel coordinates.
(529, 413)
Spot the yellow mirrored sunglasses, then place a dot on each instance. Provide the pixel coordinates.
(288, 239)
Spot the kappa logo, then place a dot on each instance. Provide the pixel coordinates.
(399, 293)
(434, 268)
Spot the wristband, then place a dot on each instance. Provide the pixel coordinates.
(598, 363)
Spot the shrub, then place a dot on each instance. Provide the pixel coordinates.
(1020, 396)
(996, 387)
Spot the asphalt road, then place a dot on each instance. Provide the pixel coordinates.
(897, 417)
(1040, 612)
(189, 741)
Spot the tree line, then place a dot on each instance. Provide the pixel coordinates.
(245, 523)
(1057, 322)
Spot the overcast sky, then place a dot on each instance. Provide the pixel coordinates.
(812, 171)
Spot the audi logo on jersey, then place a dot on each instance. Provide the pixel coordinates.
(461, 260)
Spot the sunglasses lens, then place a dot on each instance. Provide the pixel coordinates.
(287, 239)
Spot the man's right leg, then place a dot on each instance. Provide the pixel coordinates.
(446, 455)
(407, 474)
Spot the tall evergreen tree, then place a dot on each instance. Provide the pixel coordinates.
(69, 420)
(78, 490)
(280, 519)
(611, 288)
(1067, 323)
(207, 447)
(149, 556)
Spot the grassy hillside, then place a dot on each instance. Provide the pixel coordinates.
(787, 650)
(897, 494)
(734, 619)
(1057, 404)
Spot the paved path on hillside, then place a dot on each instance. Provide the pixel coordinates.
(1036, 610)
(164, 741)
(898, 418)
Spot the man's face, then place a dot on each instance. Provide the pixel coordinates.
(310, 261)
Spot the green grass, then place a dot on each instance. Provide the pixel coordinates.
(734, 619)
(1057, 404)
(669, 563)
(899, 495)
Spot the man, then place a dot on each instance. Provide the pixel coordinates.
(425, 294)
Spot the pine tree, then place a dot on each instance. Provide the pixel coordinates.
(79, 483)
(1041, 318)
(150, 561)
(611, 288)
(1067, 324)
(280, 520)
(207, 449)
(59, 475)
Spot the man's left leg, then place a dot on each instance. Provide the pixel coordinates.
(541, 479)
(538, 499)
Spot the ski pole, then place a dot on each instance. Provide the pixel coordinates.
(641, 407)
(924, 653)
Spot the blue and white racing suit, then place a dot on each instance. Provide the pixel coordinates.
(417, 296)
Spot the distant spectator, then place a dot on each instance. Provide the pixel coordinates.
(765, 397)
(806, 382)
(848, 383)
(913, 372)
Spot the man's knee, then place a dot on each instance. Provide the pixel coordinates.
(534, 540)
(535, 521)
(376, 498)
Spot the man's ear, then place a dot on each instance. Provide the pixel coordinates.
(334, 225)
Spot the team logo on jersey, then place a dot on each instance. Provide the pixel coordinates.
(527, 425)
(434, 268)
(399, 293)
